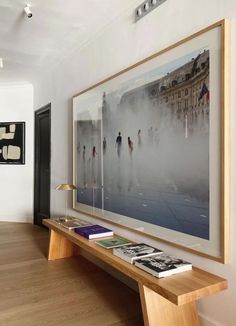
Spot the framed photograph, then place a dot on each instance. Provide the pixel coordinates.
(150, 145)
(12, 142)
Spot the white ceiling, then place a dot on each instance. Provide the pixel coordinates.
(57, 28)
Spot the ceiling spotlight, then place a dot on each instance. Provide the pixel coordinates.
(139, 12)
(1, 63)
(146, 6)
(28, 11)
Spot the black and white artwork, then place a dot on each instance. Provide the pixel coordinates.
(12, 142)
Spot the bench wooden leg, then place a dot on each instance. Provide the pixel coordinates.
(60, 247)
(158, 311)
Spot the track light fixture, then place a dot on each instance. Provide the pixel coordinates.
(145, 7)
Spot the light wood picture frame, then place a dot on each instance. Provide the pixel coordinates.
(151, 145)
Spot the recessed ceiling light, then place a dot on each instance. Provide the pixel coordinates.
(1, 63)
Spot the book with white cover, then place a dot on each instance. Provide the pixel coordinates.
(163, 265)
(135, 251)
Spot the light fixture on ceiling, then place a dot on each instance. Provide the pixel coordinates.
(145, 7)
(1, 63)
(28, 11)
(139, 12)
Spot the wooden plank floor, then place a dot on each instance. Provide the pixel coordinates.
(35, 292)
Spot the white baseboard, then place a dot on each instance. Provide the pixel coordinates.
(205, 322)
(19, 219)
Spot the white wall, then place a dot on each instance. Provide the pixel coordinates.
(119, 46)
(16, 181)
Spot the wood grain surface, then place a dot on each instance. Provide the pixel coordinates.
(72, 291)
(180, 289)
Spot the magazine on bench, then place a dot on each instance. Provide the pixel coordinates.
(163, 265)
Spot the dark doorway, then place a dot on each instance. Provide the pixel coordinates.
(42, 156)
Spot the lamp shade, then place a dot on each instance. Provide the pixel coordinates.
(65, 186)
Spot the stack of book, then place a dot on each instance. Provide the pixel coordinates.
(93, 231)
(135, 251)
(145, 257)
(152, 260)
(163, 265)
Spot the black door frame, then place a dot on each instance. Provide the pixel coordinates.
(37, 114)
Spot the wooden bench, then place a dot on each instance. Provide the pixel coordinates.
(165, 302)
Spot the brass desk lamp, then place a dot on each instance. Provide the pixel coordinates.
(66, 187)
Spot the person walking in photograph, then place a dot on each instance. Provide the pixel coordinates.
(84, 152)
(130, 145)
(94, 153)
(94, 170)
(150, 135)
(139, 138)
(118, 143)
(104, 145)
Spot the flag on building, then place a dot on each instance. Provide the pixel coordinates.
(203, 92)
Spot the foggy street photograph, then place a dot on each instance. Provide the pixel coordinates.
(148, 156)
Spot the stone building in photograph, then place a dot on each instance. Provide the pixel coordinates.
(183, 94)
(186, 90)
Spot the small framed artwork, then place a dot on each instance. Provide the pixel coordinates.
(150, 145)
(12, 142)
